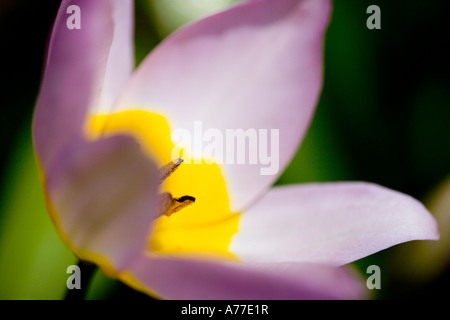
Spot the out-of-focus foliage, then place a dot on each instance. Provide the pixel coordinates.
(170, 15)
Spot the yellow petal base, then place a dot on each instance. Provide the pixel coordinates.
(206, 227)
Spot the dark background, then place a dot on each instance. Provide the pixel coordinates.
(383, 116)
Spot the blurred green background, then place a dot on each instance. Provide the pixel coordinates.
(383, 117)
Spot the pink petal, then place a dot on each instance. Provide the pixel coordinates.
(85, 70)
(172, 278)
(121, 55)
(102, 197)
(329, 223)
(255, 66)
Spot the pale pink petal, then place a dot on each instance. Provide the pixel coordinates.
(329, 223)
(75, 66)
(172, 278)
(121, 55)
(102, 197)
(255, 66)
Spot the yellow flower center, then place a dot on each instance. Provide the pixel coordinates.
(202, 228)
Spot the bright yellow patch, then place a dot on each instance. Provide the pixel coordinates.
(151, 130)
(204, 228)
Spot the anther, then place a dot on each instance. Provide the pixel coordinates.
(167, 204)
(168, 169)
(170, 205)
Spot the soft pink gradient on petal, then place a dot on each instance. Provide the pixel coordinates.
(121, 56)
(256, 66)
(105, 197)
(194, 279)
(329, 223)
(75, 66)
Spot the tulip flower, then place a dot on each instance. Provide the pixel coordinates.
(103, 137)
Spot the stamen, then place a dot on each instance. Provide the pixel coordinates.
(168, 169)
(179, 203)
(167, 204)
(170, 205)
